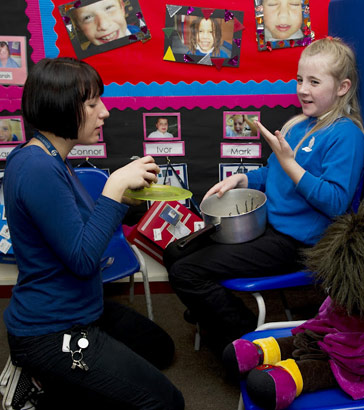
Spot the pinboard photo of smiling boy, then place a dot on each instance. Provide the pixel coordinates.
(102, 25)
(282, 23)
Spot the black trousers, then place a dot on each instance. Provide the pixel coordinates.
(124, 353)
(196, 279)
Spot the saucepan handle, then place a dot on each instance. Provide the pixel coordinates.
(198, 235)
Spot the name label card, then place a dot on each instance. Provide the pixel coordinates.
(248, 150)
(91, 151)
(164, 149)
(5, 151)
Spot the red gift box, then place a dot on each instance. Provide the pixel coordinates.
(162, 224)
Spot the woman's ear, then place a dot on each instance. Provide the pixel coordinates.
(344, 87)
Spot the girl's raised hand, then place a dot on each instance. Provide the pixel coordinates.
(234, 181)
(135, 175)
(277, 143)
(284, 153)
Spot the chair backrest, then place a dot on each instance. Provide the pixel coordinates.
(124, 262)
(93, 179)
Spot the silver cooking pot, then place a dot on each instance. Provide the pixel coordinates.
(240, 215)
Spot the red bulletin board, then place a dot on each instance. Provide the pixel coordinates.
(143, 62)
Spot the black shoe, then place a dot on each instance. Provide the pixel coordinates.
(189, 317)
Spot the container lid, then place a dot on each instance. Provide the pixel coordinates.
(159, 192)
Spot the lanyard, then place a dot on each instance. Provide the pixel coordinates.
(52, 150)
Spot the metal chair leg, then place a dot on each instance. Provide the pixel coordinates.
(144, 272)
(261, 308)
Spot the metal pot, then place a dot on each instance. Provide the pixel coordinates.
(240, 215)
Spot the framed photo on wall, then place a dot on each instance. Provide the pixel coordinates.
(163, 126)
(201, 36)
(11, 130)
(96, 26)
(282, 23)
(13, 60)
(240, 124)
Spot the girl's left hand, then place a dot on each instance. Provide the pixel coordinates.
(277, 143)
(284, 153)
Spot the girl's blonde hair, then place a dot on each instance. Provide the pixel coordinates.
(216, 33)
(342, 66)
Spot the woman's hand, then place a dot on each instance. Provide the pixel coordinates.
(234, 181)
(135, 175)
(284, 153)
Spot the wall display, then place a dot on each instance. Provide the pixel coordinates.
(226, 170)
(205, 36)
(11, 130)
(240, 124)
(162, 126)
(102, 25)
(141, 70)
(282, 23)
(13, 60)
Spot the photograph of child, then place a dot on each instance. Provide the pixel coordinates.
(6, 58)
(13, 60)
(200, 36)
(282, 19)
(240, 124)
(102, 25)
(11, 130)
(206, 38)
(162, 126)
(103, 21)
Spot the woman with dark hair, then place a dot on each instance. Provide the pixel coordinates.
(206, 38)
(85, 352)
(5, 56)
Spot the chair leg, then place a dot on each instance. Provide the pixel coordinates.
(144, 272)
(131, 288)
(241, 403)
(261, 308)
(197, 337)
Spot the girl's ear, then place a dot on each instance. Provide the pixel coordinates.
(344, 87)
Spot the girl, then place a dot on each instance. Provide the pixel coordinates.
(206, 38)
(98, 355)
(310, 178)
(325, 351)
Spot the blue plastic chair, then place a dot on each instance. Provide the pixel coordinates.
(120, 260)
(290, 280)
(328, 399)
(256, 285)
